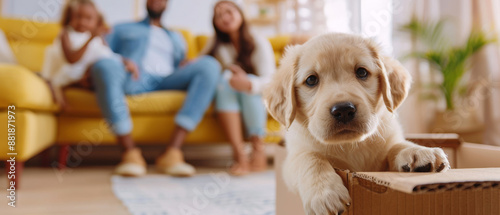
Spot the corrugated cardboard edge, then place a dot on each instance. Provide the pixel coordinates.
(364, 178)
(368, 199)
(454, 179)
(346, 176)
(376, 186)
(467, 185)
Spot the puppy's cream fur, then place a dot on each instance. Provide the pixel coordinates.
(316, 142)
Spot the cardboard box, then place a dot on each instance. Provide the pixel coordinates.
(471, 187)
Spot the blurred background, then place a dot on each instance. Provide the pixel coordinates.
(449, 95)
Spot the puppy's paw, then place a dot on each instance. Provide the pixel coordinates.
(422, 159)
(326, 200)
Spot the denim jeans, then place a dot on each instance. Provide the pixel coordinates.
(112, 83)
(251, 106)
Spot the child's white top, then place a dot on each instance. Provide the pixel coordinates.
(262, 59)
(60, 72)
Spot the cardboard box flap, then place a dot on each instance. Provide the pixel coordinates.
(454, 179)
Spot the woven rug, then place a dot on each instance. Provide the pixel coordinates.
(204, 194)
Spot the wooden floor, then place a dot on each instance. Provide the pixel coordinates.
(82, 190)
(85, 190)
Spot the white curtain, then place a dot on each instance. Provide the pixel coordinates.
(484, 77)
(415, 114)
(486, 67)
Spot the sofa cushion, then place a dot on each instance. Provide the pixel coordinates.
(24, 89)
(148, 129)
(201, 42)
(280, 42)
(84, 103)
(28, 40)
(192, 46)
(29, 54)
(35, 131)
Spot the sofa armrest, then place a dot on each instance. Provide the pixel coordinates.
(24, 89)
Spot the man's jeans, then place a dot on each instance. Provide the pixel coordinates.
(112, 83)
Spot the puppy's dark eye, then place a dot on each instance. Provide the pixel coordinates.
(312, 81)
(362, 73)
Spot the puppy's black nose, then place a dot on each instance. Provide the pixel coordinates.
(343, 112)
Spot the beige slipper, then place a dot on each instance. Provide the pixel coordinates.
(172, 163)
(132, 164)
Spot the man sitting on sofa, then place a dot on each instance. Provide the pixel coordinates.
(158, 54)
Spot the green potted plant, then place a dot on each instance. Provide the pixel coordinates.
(452, 64)
(450, 61)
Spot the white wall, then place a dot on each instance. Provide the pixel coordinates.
(194, 15)
(50, 10)
(376, 22)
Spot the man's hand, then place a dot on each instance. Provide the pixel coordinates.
(132, 68)
(100, 30)
(239, 81)
(185, 62)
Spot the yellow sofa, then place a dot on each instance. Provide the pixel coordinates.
(39, 123)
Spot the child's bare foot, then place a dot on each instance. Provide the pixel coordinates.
(241, 165)
(258, 160)
(240, 168)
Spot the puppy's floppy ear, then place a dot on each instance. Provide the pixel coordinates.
(395, 82)
(280, 94)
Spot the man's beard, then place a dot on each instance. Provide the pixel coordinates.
(154, 14)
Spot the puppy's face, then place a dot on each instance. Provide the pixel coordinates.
(336, 86)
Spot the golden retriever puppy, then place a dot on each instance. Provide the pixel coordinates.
(336, 95)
